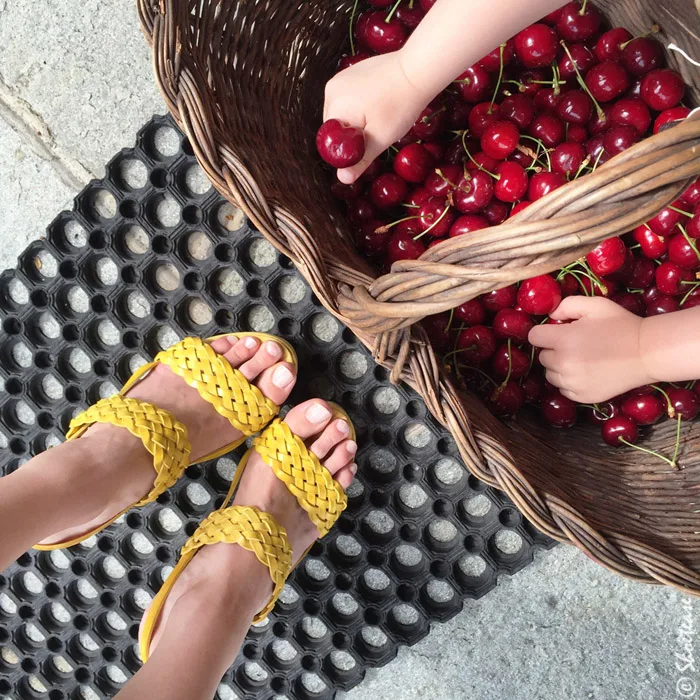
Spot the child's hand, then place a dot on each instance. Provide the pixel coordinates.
(376, 95)
(597, 355)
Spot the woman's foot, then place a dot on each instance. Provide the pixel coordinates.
(221, 572)
(121, 457)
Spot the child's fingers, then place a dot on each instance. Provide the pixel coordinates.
(548, 359)
(545, 336)
(373, 149)
(556, 379)
(574, 308)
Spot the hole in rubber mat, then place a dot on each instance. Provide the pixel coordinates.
(395, 560)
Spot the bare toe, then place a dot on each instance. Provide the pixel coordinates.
(335, 433)
(277, 382)
(267, 355)
(236, 350)
(308, 419)
(346, 475)
(342, 455)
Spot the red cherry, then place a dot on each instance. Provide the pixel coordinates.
(430, 124)
(467, 223)
(410, 17)
(533, 388)
(691, 196)
(550, 130)
(583, 59)
(566, 158)
(662, 305)
(517, 208)
(413, 163)
(442, 180)
(435, 217)
(436, 328)
(388, 191)
(481, 116)
(458, 116)
(346, 192)
(569, 286)
(598, 414)
(536, 45)
(473, 192)
(512, 182)
(693, 226)
(380, 3)
(652, 245)
(436, 241)
(436, 150)
(631, 111)
(664, 223)
(402, 246)
(543, 183)
(472, 312)
(546, 99)
(409, 225)
(610, 45)
(507, 399)
(474, 84)
(361, 209)
(682, 253)
(619, 138)
(531, 82)
(539, 296)
(553, 17)
(692, 300)
(496, 212)
(418, 196)
(685, 403)
(632, 302)
(600, 123)
(577, 133)
(477, 344)
(427, 4)
(669, 116)
(662, 89)
(375, 168)
(492, 60)
(502, 298)
(512, 360)
(518, 109)
(607, 80)
(596, 150)
(643, 55)
(577, 23)
(607, 257)
(512, 324)
(347, 61)
(670, 278)
(483, 162)
(650, 295)
(383, 36)
(559, 411)
(620, 428)
(575, 107)
(340, 144)
(369, 241)
(500, 139)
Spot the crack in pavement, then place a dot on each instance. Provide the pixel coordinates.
(31, 127)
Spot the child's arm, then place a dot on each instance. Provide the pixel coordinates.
(385, 94)
(607, 350)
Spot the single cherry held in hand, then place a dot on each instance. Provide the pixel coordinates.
(339, 144)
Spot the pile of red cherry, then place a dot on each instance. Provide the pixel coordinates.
(546, 107)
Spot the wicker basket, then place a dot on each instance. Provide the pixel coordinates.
(245, 80)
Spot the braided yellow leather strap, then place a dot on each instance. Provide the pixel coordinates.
(255, 531)
(162, 435)
(224, 387)
(318, 493)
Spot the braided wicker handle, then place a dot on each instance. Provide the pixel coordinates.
(552, 232)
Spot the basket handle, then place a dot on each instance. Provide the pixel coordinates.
(549, 234)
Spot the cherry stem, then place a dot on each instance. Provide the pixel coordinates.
(557, 81)
(510, 366)
(680, 211)
(434, 224)
(450, 319)
(474, 369)
(577, 276)
(500, 76)
(532, 361)
(678, 440)
(597, 160)
(690, 291)
(466, 150)
(582, 167)
(540, 144)
(582, 83)
(582, 11)
(670, 410)
(598, 411)
(352, 22)
(646, 451)
(392, 11)
(691, 242)
(593, 277)
(441, 175)
(654, 30)
(387, 227)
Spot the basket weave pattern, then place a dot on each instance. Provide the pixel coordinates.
(244, 80)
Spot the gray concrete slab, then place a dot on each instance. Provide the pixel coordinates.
(75, 86)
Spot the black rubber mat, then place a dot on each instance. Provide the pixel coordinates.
(151, 254)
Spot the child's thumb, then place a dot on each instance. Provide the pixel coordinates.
(576, 307)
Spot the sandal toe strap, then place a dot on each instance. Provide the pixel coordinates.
(159, 431)
(317, 492)
(254, 530)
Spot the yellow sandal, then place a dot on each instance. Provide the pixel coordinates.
(317, 492)
(217, 382)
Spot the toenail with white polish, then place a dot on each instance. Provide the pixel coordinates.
(282, 377)
(342, 427)
(353, 469)
(317, 414)
(250, 343)
(273, 349)
(351, 447)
